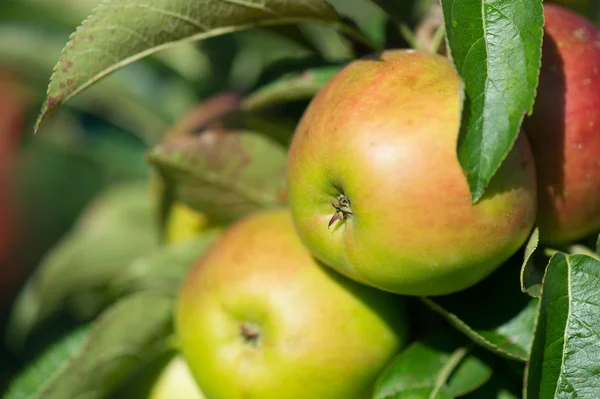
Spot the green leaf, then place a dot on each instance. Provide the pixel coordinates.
(496, 47)
(163, 269)
(494, 313)
(121, 32)
(367, 15)
(440, 366)
(290, 87)
(532, 271)
(224, 174)
(36, 374)
(113, 231)
(499, 386)
(125, 338)
(563, 359)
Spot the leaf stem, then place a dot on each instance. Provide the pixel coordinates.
(409, 36)
(438, 38)
(450, 366)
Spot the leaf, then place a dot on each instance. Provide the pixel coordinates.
(494, 313)
(125, 338)
(499, 386)
(532, 271)
(163, 269)
(290, 87)
(36, 374)
(224, 174)
(367, 15)
(130, 99)
(440, 366)
(567, 336)
(121, 32)
(496, 47)
(113, 231)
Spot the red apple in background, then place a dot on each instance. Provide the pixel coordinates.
(564, 129)
(13, 113)
(259, 318)
(13, 110)
(376, 189)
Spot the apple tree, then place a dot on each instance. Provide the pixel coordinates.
(245, 104)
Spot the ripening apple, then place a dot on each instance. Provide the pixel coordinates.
(258, 318)
(564, 129)
(175, 381)
(376, 189)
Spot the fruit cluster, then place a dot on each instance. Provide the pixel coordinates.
(379, 209)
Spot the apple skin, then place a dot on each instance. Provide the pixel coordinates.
(13, 114)
(383, 133)
(175, 382)
(564, 128)
(259, 318)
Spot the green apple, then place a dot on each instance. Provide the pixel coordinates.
(376, 189)
(175, 382)
(564, 129)
(259, 318)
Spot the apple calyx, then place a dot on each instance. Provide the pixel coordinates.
(250, 333)
(342, 210)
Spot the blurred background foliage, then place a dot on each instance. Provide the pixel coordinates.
(82, 212)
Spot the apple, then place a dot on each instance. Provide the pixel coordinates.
(13, 116)
(175, 381)
(258, 317)
(564, 128)
(184, 223)
(376, 189)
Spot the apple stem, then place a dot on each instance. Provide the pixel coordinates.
(342, 210)
(250, 332)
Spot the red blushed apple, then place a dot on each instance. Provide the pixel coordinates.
(564, 129)
(13, 109)
(376, 189)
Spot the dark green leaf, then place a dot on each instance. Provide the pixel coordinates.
(496, 47)
(224, 174)
(119, 33)
(36, 374)
(164, 269)
(532, 271)
(494, 313)
(113, 231)
(290, 87)
(440, 366)
(563, 361)
(126, 337)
